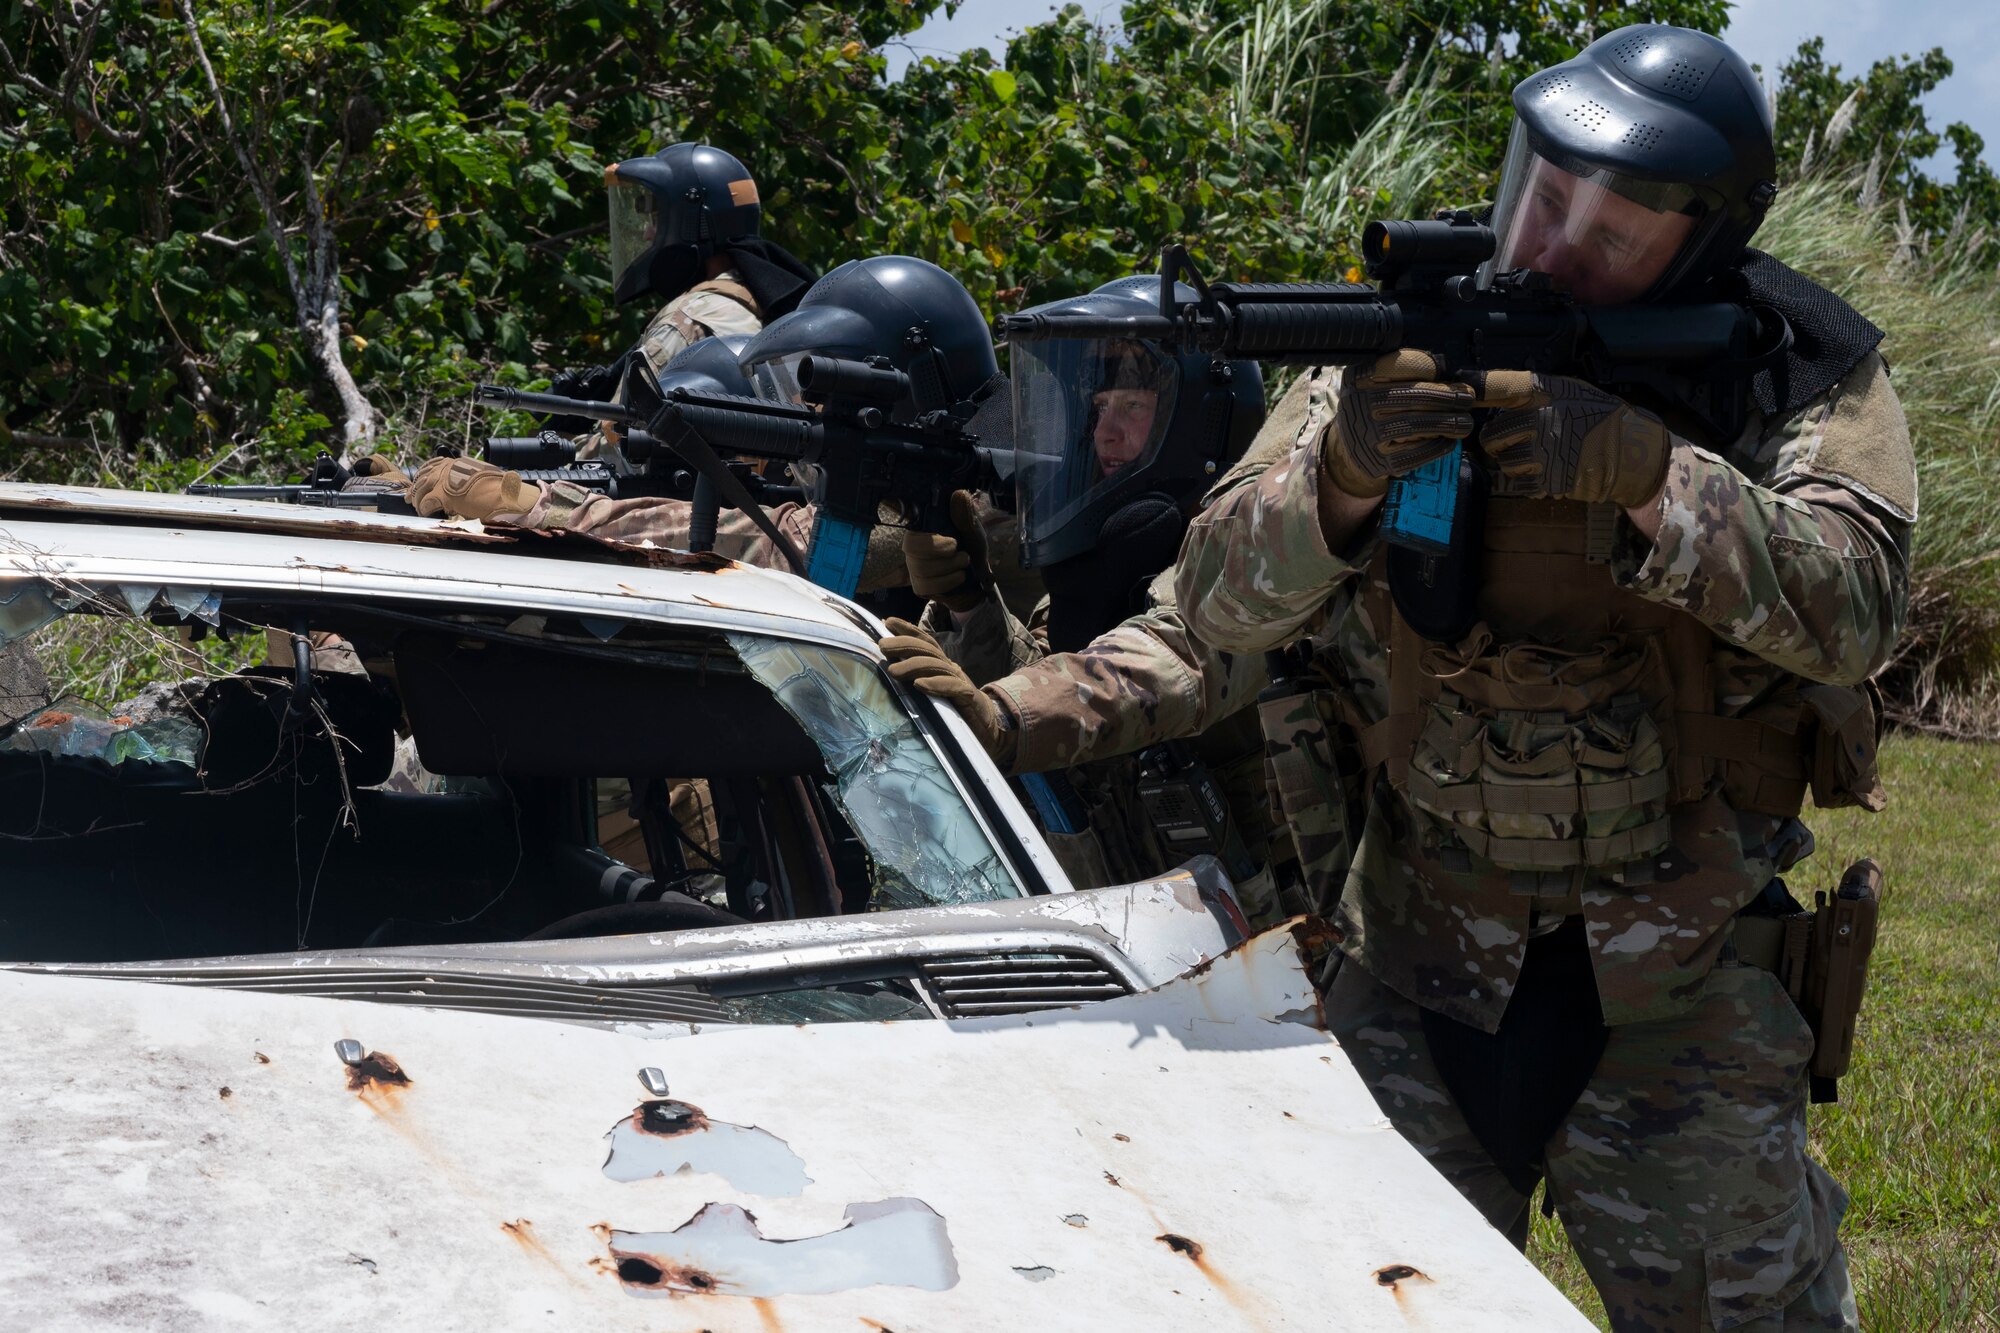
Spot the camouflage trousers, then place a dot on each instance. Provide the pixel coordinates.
(1680, 1173)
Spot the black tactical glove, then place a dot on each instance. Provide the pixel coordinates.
(1569, 439)
(1393, 417)
(594, 384)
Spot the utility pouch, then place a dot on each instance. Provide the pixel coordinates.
(1187, 809)
(1849, 726)
(1843, 938)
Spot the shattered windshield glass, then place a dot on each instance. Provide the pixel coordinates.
(390, 774)
(926, 846)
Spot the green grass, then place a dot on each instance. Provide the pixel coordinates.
(1916, 1135)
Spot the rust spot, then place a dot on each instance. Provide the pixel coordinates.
(374, 1071)
(1391, 1274)
(262, 1058)
(1110, 1179)
(638, 1271)
(224, 1093)
(768, 1313)
(522, 1231)
(601, 1230)
(1122, 1138)
(668, 1119)
(1181, 1245)
(878, 1327)
(1288, 1115)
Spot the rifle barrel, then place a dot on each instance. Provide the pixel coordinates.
(493, 395)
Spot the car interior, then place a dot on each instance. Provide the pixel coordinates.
(411, 775)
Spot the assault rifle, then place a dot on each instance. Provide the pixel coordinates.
(321, 488)
(870, 435)
(656, 470)
(1700, 357)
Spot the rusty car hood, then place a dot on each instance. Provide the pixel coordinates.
(1200, 1155)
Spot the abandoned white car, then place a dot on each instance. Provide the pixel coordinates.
(489, 931)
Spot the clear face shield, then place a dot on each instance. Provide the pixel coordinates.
(777, 380)
(1086, 413)
(634, 222)
(1603, 235)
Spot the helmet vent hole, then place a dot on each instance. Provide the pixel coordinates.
(1641, 136)
(1554, 85)
(1683, 78)
(1589, 116)
(1630, 49)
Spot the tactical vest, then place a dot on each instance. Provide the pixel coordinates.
(1559, 732)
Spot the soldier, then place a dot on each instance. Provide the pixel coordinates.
(684, 230)
(1557, 819)
(864, 308)
(1115, 441)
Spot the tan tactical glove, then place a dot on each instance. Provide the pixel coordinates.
(915, 658)
(376, 474)
(951, 570)
(1392, 418)
(468, 488)
(1569, 439)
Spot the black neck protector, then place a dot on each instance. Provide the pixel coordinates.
(773, 274)
(1829, 336)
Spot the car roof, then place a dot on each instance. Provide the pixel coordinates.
(97, 535)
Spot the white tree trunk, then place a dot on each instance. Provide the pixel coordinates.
(316, 292)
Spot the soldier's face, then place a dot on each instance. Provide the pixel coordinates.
(1604, 248)
(1124, 424)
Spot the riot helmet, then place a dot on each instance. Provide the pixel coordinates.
(708, 366)
(908, 311)
(670, 212)
(1638, 169)
(1100, 423)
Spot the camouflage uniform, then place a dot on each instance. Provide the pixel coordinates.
(1705, 680)
(1140, 683)
(721, 305)
(664, 521)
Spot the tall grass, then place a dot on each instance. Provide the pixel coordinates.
(1940, 307)
(1393, 169)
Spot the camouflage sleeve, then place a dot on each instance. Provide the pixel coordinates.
(1255, 566)
(987, 641)
(1144, 681)
(1810, 569)
(664, 522)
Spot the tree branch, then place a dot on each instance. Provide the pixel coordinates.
(316, 295)
(551, 242)
(64, 99)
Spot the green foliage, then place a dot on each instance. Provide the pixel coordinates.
(433, 169)
(456, 150)
(1074, 164)
(1873, 126)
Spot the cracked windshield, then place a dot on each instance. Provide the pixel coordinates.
(235, 774)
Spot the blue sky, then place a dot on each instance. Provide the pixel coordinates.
(1857, 32)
